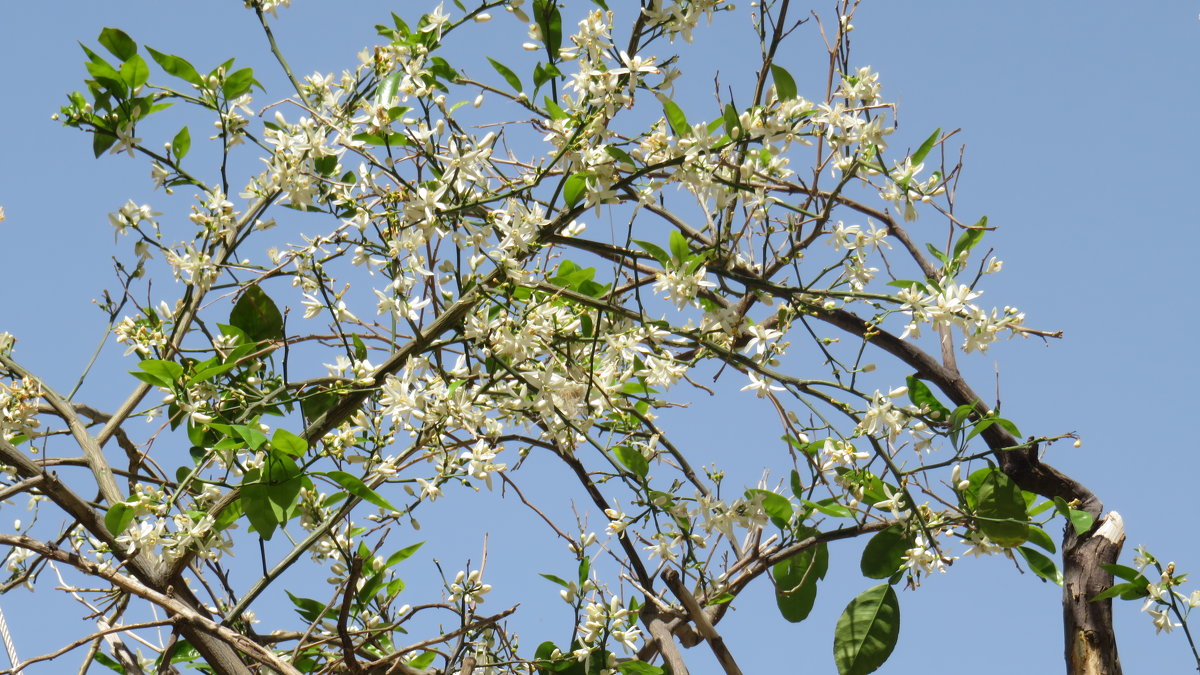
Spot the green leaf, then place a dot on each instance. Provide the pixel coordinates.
(558, 580)
(102, 141)
(164, 373)
(119, 516)
(679, 246)
(285, 441)
(385, 93)
(176, 66)
(181, 144)
(867, 631)
(733, 124)
(1114, 591)
(796, 580)
(919, 156)
(654, 250)
(1008, 426)
(1041, 565)
(135, 72)
(1121, 571)
(391, 140)
(777, 506)
(639, 668)
(423, 661)
(1000, 510)
(549, 20)
(785, 86)
(253, 436)
(256, 314)
(308, 609)
(108, 662)
(830, 508)
(543, 73)
(921, 396)
(1038, 536)
(937, 253)
(356, 487)
(116, 41)
(676, 118)
(585, 570)
(239, 82)
(574, 188)
(633, 459)
(509, 76)
(1081, 520)
(268, 494)
(403, 554)
(969, 237)
(884, 553)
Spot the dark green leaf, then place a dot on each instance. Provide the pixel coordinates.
(796, 580)
(884, 553)
(239, 82)
(176, 66)
(1121, 571)
(356, 487)
(867, 631)
(509, 76)
(116, 41)
(550, 22)
(1041, 565)
(919, 155)
(317, 403)
(102, 141)
(181, 144)
(256, 314)
(1000, 511)
(633, 459)
(543, 73)
(785, 86)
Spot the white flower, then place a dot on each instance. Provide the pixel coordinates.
(469, 588)
(761, 386)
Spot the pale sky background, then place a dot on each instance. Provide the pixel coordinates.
(1081, 145)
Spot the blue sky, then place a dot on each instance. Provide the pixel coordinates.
(1079, 144)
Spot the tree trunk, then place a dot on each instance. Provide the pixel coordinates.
(1090, 642)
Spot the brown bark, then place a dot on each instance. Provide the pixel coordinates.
(1091, 647)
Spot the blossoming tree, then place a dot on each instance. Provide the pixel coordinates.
(391, 292)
